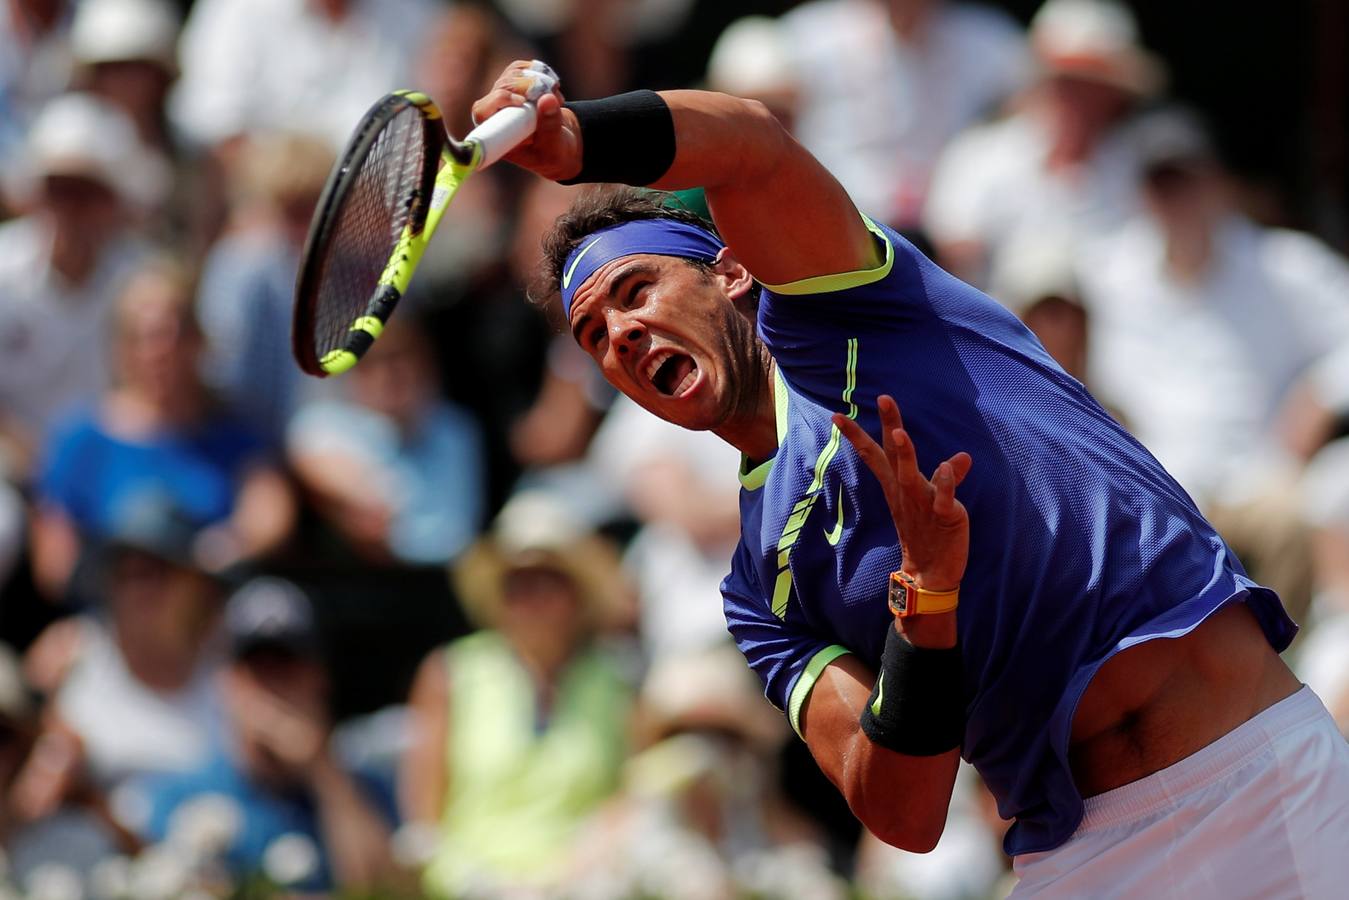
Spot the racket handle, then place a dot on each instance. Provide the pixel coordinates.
(501, 133)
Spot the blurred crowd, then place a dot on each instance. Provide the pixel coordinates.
(450, 625)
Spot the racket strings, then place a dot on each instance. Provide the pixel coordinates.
(369, 224)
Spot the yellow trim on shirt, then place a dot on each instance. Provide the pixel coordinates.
(801, 690)
(826, 284)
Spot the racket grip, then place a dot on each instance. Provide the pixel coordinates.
(501, 133)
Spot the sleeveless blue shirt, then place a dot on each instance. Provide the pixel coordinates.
(1081, 544)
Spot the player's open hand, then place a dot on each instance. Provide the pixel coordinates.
(933, 527)
(554, 150)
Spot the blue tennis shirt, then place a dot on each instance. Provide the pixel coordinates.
(1080, 543)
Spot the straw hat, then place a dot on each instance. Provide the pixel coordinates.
(1095, 40)
(534, 530)
(711, 689)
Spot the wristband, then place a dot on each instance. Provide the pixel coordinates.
(918, 705)
(626, 139)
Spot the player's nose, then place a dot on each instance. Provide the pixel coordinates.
(626, 334)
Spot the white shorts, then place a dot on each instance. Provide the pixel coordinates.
(1262, 812)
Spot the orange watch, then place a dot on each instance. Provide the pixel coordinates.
(908, 599)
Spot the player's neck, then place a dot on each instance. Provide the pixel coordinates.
(753, 430)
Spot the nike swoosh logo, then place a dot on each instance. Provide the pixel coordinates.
(880, 692)
(571, 269)
(833, 536)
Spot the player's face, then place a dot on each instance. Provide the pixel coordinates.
(666, 334)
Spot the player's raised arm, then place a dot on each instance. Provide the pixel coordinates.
(783, 215)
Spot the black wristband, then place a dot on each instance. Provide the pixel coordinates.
(918, 705)
(626, 139)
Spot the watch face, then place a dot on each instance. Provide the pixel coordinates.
(899, 596)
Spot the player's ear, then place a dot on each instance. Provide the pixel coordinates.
(733, 277)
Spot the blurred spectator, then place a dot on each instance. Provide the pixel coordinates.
(682, 487)
(62, 264)
(287, 794)
(34, 67)
(520, 729)
(1063, 163)
(156, 427)
(123, 52)
(1202, 323)
(46, 822)
(883, 85)
(246, 295)
(394, 469)
(133, 682)
(700, 815)
(291, 65)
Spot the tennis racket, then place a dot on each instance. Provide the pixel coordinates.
(378, 210)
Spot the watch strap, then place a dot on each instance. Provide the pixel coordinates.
(908, 599)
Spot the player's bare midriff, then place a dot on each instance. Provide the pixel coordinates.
(1156, 703)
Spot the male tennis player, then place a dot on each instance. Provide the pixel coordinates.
(1107, 645)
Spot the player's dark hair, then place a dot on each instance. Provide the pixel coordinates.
(602, 207)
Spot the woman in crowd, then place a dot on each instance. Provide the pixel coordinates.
(157, 427)
(520, 729)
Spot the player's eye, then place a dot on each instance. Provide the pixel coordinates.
(597, 337)
(634, 295)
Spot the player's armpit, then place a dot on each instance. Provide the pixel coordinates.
(901, 799)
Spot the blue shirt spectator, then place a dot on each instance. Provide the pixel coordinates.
(89, 470)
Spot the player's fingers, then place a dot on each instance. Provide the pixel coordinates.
(494, 101)
(871, 454)
(905, 461)
(890, 420)
(889, 409)
(944, 491)
(960, 463)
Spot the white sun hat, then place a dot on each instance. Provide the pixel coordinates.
(79, 134)
(125, 30)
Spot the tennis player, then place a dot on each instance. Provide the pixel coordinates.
(1082, 636)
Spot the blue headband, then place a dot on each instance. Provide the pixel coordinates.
(666, 237)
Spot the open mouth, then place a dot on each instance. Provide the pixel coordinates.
(671, 372)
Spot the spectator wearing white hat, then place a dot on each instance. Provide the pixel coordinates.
(1064, 161)
(62, 264)
(124, 51)
(883, 85)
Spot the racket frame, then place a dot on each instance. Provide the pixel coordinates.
(446, 164)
